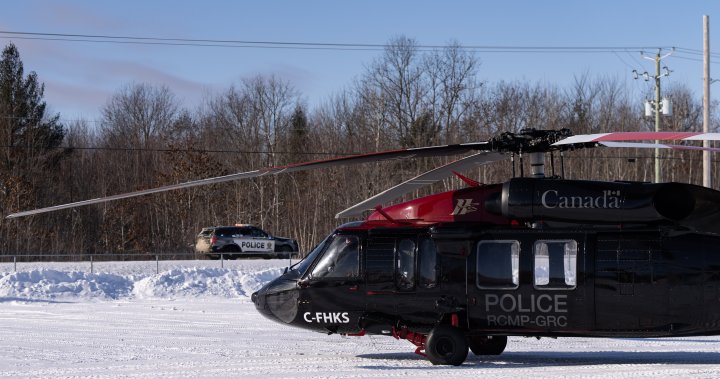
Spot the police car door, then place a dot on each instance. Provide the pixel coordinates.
(252, 240)
(332, 299)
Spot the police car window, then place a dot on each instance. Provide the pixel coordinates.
(498, 264)
(255, 232)
(340, 259)
(405, 264)
(555, 264)
(226, 232)
(427, 261)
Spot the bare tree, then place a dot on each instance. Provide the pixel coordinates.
(135, 120)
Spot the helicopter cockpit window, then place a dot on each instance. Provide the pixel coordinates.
(427, 261)
(304, 264)
(498, 264)
(555, 264)
(405, 264)
(340, 259)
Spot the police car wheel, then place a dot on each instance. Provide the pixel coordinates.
(488, 345)
(230, 252)
(446, 345)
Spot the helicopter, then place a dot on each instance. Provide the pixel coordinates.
(534, 256)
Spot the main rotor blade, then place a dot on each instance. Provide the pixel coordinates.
(657, 146)
(431, 151)
(638, 136)
(422, 180)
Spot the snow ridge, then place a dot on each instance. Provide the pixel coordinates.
(56, 285)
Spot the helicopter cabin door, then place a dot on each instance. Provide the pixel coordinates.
(402, 280)
(530, 283)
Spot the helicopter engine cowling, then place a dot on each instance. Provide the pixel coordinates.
(581, 201)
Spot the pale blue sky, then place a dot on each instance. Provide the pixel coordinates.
(80, 76)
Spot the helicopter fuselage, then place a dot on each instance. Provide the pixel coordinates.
(510, 281)
(556, 258)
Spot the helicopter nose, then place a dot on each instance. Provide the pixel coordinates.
(278, 300)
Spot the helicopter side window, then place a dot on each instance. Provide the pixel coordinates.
(555, 264)
(498, 264)
(340, 259)
(427, 261)
(405, 264)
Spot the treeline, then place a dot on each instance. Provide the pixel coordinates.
(405, 98)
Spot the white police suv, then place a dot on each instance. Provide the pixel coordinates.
(242, 240)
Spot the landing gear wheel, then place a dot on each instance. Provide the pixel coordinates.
(446, 345)
(487, 345)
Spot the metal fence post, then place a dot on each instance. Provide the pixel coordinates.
(222, 258)
(157, 264)
(15, 263)
(91, 264)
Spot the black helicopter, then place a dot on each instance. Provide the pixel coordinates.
(536, 256)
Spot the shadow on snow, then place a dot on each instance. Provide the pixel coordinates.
(537, 359)
(29, 300)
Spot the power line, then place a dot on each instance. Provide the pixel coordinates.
(171, 150)
(199, 44)
(228, 151)
(147, 40)
(622, 60)
(696, 52)
(291, 45)
(329, 153)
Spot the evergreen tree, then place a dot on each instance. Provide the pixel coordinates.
(298, 139)
(28, 137)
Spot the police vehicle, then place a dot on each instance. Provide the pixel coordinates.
(240, 240)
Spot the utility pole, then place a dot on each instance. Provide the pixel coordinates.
(658, 105)
(707, 173)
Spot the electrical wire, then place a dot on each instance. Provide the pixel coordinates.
(327, 153)
(145, 40)
(171, 150)
(229, 43)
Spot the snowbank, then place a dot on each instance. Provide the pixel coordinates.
(58, 285)
(202, 282)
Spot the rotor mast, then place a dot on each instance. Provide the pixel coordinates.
(537, 164)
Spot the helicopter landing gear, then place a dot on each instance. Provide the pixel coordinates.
(446, 345)
(487, 345)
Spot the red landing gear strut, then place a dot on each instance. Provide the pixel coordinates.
(419, 339)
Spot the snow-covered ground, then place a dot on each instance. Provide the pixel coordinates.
(194, 319)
